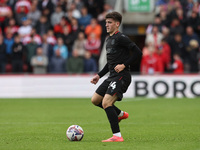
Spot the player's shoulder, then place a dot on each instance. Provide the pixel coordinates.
(122, 35)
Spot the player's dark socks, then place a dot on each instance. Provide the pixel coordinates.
(100, 105)
(113, 119)
(118, 111)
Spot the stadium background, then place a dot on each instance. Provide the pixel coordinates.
(59, 37)
(42, 95)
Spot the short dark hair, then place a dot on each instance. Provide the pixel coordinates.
(115, 16)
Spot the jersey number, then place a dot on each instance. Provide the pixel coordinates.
(113, 85)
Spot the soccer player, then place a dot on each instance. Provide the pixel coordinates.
(111, 90)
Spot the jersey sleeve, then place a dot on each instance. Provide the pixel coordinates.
(130, 45)
(103, 71)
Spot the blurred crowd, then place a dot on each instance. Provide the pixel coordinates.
(173, 39)
(51, 36)
(66, 36)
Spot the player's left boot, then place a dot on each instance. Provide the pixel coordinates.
(114, 139)
(125, 116)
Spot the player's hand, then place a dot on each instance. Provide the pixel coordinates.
(119, 68)
(95, 79)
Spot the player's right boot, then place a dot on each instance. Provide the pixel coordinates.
(114, 139)
(125, 116)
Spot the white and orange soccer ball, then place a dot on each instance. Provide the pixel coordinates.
(75, 133)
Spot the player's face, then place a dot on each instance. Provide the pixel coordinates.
(111, 26)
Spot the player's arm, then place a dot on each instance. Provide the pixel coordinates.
(96, 78)
(136, 52)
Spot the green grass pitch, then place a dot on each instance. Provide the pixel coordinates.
(153, 124)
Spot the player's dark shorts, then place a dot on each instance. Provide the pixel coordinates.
(115, 86)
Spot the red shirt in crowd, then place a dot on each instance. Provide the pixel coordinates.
(165, 54)
(4, 11)
(23, 3)
(151, 64)
(178, 67)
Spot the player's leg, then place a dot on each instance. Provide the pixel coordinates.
(98, 97)
(107, 104)
(97, 100)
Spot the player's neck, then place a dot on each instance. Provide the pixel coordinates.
(114, 32)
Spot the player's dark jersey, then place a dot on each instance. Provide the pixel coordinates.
(118, 48)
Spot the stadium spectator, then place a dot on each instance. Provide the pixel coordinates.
(57, 15)
(93, 45)
(3, 59)
(90, 65)
(166, 35)
(156, 22)
(30, 52)
(69, 38)
(79, 44)
(21, 15)
(46, 12)
(34, 14)
(93, 27)
(189, 7)
(75, 63)
(94, 7)
(75, 12)
(23, 4)
(63, 4)
(164, 52)
(17, 56)
(85, 18)
(47, 7)
(36, 37)
(69, 15)
(5, 12)
(151, 63)
(75, 27)
(47, 48)
(58, 28)
(145, 50)
(177, 66)
(164, 18)
(190, 35)
(79, 4)
(192, 56)
(176, 27)
(181, 16)
(51, 39)
(12, 26)
(193, 21)
(178, 47)
(39, 62)
(26, 28)
(57, 63)
(154, 37)
(61, 47)
(9, 41)
(42, 26)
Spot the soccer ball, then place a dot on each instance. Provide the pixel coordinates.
(74, 133)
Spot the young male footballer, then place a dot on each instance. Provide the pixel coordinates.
(118, 48)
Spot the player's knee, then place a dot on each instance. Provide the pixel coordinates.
(94, 101)
(106, 105)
